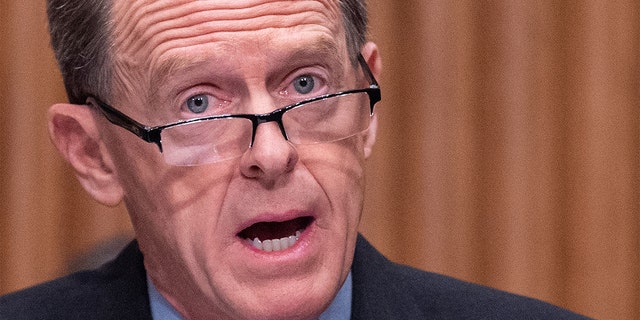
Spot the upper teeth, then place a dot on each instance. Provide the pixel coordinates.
(275, 244)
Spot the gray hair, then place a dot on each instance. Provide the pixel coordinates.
(80, 32)
(355, 21)
(80, 36)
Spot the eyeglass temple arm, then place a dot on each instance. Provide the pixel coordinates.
(367, 71)
(374, 92)
(151, 135)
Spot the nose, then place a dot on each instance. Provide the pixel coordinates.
(271, 155)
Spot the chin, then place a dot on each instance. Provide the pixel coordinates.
(304, 299)
(288, 310)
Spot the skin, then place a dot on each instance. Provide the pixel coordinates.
(244, 54)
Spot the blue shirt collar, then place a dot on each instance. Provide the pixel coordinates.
(340, 308)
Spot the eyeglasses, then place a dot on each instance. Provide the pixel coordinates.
(198, 141)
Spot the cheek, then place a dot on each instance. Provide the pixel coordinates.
(338, 168)
(170, 201)
(181, 201)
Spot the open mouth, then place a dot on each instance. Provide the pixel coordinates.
(275, 236)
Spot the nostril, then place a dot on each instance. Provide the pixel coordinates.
(254, 171)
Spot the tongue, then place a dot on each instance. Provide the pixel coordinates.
(275, 230)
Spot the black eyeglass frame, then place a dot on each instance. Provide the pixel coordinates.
(152, 134)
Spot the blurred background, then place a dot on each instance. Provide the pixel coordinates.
(508, 151)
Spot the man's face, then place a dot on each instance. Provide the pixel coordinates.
(194, 224)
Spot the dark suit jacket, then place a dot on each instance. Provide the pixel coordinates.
(381, 290)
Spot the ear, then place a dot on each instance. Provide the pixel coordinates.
(75, 134)
(372, 57)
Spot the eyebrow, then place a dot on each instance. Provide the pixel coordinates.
(321, 48)
(166, 69)
(176, 65)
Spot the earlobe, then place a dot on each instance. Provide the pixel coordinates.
(370, 136)
(74, 132)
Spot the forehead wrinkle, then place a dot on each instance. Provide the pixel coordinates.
(162, 21)
(129, 18)
(204, 27)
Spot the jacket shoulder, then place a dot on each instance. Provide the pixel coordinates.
(386, 290)
(115, 291)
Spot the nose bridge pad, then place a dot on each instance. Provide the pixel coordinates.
(281, 125)
(270, 117)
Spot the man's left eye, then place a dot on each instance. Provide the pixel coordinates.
(304, 84)
(198, 103)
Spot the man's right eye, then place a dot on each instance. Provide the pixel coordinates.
(198, 103)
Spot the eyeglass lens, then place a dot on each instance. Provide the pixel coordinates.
(215, 140)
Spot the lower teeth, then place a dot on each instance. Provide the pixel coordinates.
(275, 244)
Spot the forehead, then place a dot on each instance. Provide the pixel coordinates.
(148, 28)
